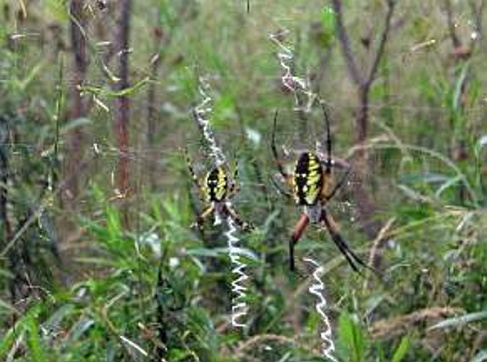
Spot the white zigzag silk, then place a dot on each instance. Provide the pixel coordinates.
(201, 112)
(318, 289)
(290, 81)
(239, 305)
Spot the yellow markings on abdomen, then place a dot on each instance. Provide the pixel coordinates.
(308, 179)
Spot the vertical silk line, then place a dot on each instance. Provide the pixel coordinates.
(318, 289)
(201, 112)
(290, 81)
(239, 304)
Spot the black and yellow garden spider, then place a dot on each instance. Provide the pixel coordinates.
(217, 189)
(312, 187)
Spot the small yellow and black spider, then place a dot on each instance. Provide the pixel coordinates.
(217, 190)
(312, 187)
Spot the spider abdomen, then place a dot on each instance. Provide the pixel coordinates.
(308, 179)
(216, 185)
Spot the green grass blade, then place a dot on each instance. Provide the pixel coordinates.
(402, 350)
(459, 321)
(34, 341)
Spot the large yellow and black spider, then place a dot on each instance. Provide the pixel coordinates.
(216, 190)
(312, 187)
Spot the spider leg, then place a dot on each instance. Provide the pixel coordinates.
(280, 167)
(280, 189)
(328, 139)
(235, 186)
(351, 257)
(297, 233)
(201, 217)
(190, 168)
(331, 194)
(329, 162)
(336, 162)
(236, 217)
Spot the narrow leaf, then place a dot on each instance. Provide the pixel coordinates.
(34, 341)
(402, 350)
(456, 321)
(481, 356)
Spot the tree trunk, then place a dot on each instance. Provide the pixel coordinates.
(74, 152)
(365, 202)
(122, 103)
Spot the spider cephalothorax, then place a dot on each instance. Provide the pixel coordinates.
(312, 187)
(217, 188)
(216, 185)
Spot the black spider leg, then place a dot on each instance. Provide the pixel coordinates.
(338, 185)
(274, 149)
(209, 210)
(235, 182)
(351, 257)
(191, 170)
(200, 219)
(282, 191)
(230, 211)
(329, 162)
(326, 118)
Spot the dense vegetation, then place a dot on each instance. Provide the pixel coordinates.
(97, 258)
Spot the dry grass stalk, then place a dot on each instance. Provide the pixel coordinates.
(397, 326)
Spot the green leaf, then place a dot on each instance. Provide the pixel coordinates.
(7, 307)
(23, 84)
(402, 350)
(55, 320)
(178, 355)
(76, 123)
(459, 321)
(17, 331)
(34, 341)
(58, 9)
(8, 339)
(351, 339)
(328, 25)
(459, 86)
(451, 182)
(201, 325)
(481, 356)
(481, 143)
(79, 328)
(130, 91)
(328, 19)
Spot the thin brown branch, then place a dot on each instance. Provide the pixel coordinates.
(345, 44)
(457, 43)
(155, 63)
(260, 339)
(363, 82)
(477, 13)
(382, 43)
(6, 226)
(122, 103)
(151, 97)
(397, 326)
